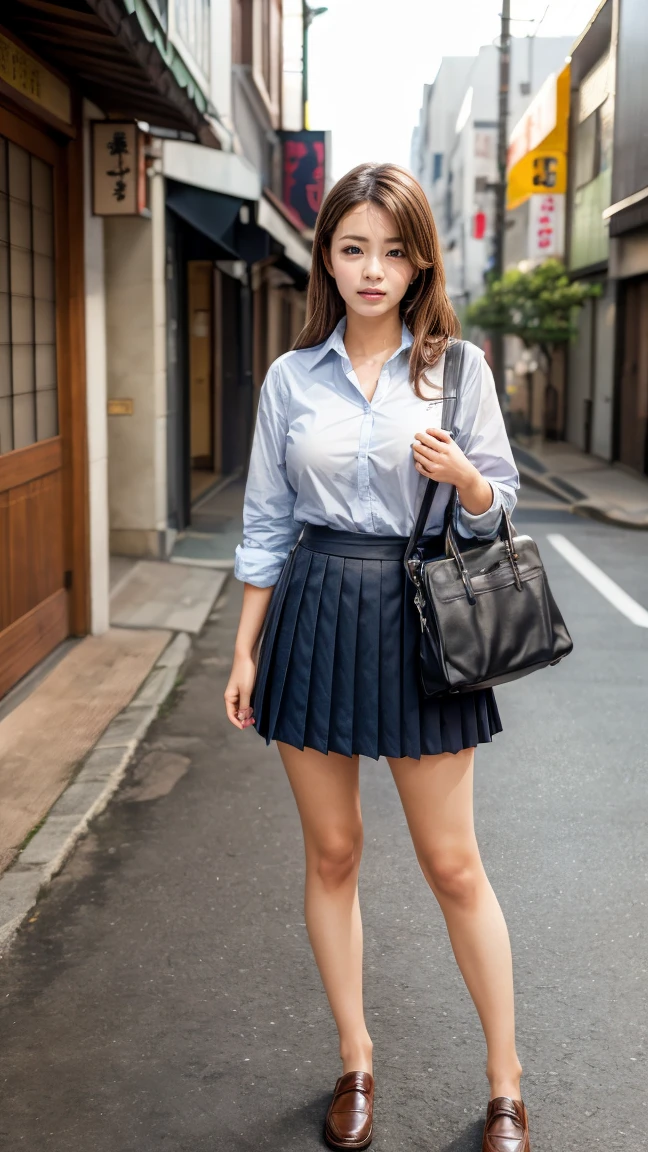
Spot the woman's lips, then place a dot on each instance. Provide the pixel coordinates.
(371, 294)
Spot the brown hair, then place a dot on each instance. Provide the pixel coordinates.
(425, 307)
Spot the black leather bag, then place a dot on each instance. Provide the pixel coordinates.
(487, 613)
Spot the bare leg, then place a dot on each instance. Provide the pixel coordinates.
(437, 797)
(327, 792)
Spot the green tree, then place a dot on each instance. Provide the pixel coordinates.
(540, 307)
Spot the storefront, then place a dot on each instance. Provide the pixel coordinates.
(43, 519)
(237, 271)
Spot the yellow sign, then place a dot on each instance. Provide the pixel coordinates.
(537, 154)
(28, 77)
(121, 407)
(538, 171)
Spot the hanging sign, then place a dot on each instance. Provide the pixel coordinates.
(303, 174)
(118, 169)
(32, 83)
(537, 153)
(538, 171)
(546, 226)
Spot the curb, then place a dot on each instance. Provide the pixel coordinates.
(87, 794)
(577, 502)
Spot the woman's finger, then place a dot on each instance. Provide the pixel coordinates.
(429, 469)
(428, 455)
(429, 441)
(246, 717)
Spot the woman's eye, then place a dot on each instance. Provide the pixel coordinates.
(396, 252)
(351, 250)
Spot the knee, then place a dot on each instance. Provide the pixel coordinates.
(454, 874)
(337, 860)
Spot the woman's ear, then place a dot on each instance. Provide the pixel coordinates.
(326, 257)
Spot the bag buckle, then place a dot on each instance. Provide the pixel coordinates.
(414, 569)
(420, 604)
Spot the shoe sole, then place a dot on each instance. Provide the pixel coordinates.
(336, 1143)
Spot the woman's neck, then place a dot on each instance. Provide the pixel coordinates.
(372, 338)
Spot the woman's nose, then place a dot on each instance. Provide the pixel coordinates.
(373, 269)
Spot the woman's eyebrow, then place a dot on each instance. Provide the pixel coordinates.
(365, 239)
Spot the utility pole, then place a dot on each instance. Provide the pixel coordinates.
(500, 202)
(308, 15)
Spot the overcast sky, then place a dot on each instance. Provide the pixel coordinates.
(369, 60)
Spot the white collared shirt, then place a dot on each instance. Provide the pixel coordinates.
(324, 454)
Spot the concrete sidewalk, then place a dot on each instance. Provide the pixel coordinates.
(589, 486)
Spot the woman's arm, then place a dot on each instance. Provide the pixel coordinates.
(480, 464)
(241, 681)
(269, 531)
(269, 527)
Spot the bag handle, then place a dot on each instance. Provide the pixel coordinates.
(451, 378)
(505, 533)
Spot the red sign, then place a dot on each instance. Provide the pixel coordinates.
(303, 174)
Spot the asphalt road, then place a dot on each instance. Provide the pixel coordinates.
(165, 996)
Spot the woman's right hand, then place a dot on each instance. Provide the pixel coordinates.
(238, 692)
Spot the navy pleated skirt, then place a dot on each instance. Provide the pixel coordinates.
(337, 668)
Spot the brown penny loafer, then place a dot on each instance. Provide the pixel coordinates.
(349, 1120)
(507, 1126)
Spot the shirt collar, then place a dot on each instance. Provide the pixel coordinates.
(335, 342)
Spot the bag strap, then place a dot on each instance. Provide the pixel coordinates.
(451, 379)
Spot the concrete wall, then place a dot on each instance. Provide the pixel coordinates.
(136, 343)
(95, 327)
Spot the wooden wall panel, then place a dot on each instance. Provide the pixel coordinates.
(44, 548)
(32, 557)
(31, 638)
(4, 552)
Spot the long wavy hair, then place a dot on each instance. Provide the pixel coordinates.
(425, 307)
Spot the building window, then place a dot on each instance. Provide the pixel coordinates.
(266, 54)
(28, 385)
(193, 27)
(594, 144)
(437, 166)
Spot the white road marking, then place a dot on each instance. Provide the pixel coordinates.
(599, 580)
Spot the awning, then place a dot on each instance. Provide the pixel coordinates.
(628, 214)
(211, 213)
(201, 182)
(295, 248)
(207, 168)
(119, 57)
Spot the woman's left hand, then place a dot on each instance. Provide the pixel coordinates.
(438, 457)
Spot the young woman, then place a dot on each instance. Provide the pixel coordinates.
(347, 436)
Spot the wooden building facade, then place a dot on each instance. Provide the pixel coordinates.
(43, 479)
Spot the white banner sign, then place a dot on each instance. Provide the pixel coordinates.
(546, 225)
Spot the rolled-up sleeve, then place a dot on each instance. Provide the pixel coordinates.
(269, 529)
(486, 444)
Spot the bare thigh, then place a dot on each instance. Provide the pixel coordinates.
(437, 797)
(327, 792)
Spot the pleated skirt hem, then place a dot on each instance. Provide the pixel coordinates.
(338, 665)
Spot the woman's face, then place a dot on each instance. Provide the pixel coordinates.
(368, 261)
